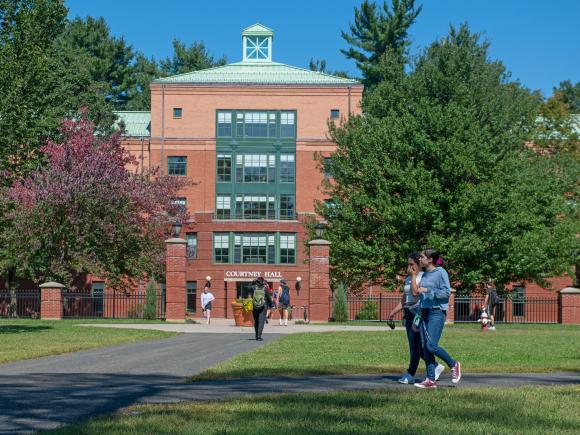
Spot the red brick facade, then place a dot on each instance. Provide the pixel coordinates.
(569, 305)
(51, 301)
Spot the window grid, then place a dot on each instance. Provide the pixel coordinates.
(287, 168)
(256, 124)
(177, 165)
(191, 245)
(223, 207)
(224, 168)
(255, 248)
(191, 289)
(286, 206)
(224, 124)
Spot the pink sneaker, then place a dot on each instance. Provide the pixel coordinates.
(456, 372)
(427, 383)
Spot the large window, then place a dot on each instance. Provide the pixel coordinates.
(255, 248)
(191, 288)
(98, 293)
(287, 248)
(256, 124)
(224, 124)
(191, 245)
(287, 124)
(327, 166)
(177, 166)
(255, 168)
(221, 247)
(255, 207)
(519, 301)
(286, 206)
(287, 168)
(224, 167)
(223, 207)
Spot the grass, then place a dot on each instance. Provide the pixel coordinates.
(512, 348)
(535, 410)
(25, 339)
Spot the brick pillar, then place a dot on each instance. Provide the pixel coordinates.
(319, 286)
(51, 301)
(175, 302)
(569, 305)
(451, 310)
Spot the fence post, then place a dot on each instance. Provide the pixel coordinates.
(451, 309)
(175, 251)
(51, 301)
(569, 305)
(319, 285)
(380, 307)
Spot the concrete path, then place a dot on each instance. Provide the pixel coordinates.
(52, 391)
(226, 326)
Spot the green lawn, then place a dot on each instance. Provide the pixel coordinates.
(25, 339)
(553, 410)
(512, 348)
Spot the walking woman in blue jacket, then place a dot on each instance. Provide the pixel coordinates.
(434, 295)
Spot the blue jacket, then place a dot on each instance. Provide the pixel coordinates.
(438, 289)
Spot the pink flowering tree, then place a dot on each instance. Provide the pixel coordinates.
(87, 210)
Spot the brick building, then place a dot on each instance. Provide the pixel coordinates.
(246, 134)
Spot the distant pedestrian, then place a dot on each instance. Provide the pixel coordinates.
(283, 301)
(435, 291)
(410, 304)
(490, 304)
(206, 299)
(272, 305)
(261, 300)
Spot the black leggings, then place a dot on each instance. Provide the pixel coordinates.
(259, 320)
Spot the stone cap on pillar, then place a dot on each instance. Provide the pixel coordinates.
(570, 290)
(51, 284)
(176, 241)
(319, 242)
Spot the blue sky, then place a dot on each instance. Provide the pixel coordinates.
(538, 41)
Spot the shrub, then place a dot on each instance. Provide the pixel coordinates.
(340, 306)
(150, 308)
(369, 311)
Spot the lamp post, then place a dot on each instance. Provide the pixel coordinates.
(208, 281)
(176, 228)
(319, 229)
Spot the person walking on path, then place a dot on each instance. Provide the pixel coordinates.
(271, 307)
(261, 300)
(490, 303)
(435, 290)
(283, 301)
(206, 299)
(410, 304)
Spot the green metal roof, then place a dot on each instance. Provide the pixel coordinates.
(254, 73)
(257, 30)
(137, 124)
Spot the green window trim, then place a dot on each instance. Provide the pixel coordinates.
(254, 248)
(255, 206)
(256, 124)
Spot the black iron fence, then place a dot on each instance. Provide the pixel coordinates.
(370, 308)
(467, 309)
(27, 303)
(116, 305)
(517, 310)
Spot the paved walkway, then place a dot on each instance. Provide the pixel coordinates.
(49, 392)
(226, 326)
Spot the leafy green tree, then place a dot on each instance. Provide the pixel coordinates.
(569, 94)
(376, 32)
(340, 304)
(439, 159)
(108, 58)
(29, 106)
(319, 65)
(144, 71)
(186, 59)
(150, 308)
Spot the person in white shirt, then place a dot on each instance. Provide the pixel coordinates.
(206, 298)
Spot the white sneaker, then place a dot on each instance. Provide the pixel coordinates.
(438, 370)
(285, 322)
(280, 322)
(492, 328)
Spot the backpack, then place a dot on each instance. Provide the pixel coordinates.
(285, 297)
(259, 297)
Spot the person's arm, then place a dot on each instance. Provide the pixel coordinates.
(443, 290)
(398, 308)
(268, 297)
(278, 295)
(415, 289)
(202, 304)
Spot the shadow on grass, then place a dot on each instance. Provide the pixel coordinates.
(20, 329)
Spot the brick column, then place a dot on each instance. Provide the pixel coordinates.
(451, 310)
(569, 305)
(51, 301)
(175, 280)
(319, 286)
